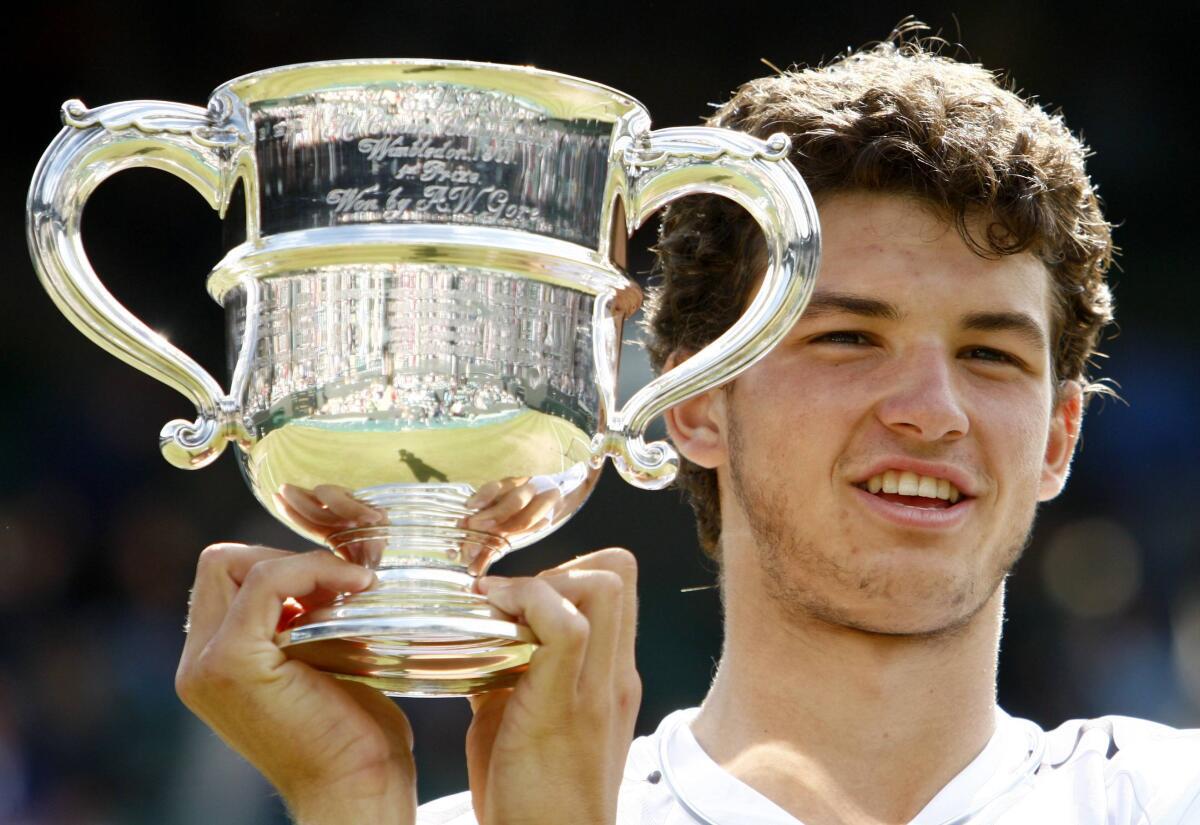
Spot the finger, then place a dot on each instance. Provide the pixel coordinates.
(536, 511)
(484, 495)
(340, 502)
(620, 561)
(598, 594)
(560, 627)
(219, 573)
(481, 551)
(321, 595)
(309, 506)
(291, 514)
(256, 609)
(506, 506)
(489, 491)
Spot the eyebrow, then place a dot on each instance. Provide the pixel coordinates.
(1020, 323)
(833, 303)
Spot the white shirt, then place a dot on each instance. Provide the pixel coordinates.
(1108, 771)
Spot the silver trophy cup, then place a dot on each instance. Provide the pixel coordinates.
(424, 319)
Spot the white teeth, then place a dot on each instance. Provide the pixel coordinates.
(908, 483)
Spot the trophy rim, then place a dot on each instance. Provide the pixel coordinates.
(257, 86)
(516, 254)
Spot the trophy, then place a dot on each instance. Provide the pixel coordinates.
(424, 319)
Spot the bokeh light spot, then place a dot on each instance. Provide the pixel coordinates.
(1092, 568)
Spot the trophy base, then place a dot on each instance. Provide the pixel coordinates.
(420, 632)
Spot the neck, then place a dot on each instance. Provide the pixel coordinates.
(840, 725)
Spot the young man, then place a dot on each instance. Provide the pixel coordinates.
(866, 488)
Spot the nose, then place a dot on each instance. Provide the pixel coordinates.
(921, 400)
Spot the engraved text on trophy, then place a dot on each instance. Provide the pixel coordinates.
(429, 154)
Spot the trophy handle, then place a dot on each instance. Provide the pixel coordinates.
(671, 163)
(192, 143)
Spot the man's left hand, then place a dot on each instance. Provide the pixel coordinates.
(553, 748)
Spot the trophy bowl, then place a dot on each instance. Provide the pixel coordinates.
(424, 319)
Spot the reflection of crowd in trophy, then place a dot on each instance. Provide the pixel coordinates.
(425, 398)
(422, 344)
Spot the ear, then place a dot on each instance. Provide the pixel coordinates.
(697, 426)
(1063, 436)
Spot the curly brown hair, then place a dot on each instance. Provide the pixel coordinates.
(895, 117)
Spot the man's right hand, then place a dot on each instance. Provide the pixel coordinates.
(336, 751)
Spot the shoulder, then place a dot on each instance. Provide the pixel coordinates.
(1127, 745)
(1140, 767)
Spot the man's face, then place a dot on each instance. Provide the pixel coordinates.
(885, 460)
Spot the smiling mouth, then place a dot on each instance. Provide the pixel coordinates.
(912, 490)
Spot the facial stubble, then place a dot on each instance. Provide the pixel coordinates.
(792, 566)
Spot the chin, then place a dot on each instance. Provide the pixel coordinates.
(929, 606)
(918, 622)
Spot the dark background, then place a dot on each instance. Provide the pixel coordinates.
(99, 536)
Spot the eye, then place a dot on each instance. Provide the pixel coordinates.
(989, 355)
(842, 337)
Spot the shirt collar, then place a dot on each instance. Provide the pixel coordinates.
(702, 786)
(1006, 755)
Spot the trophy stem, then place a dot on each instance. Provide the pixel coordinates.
(422, 630)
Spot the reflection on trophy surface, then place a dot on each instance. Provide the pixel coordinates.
(424, 319)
